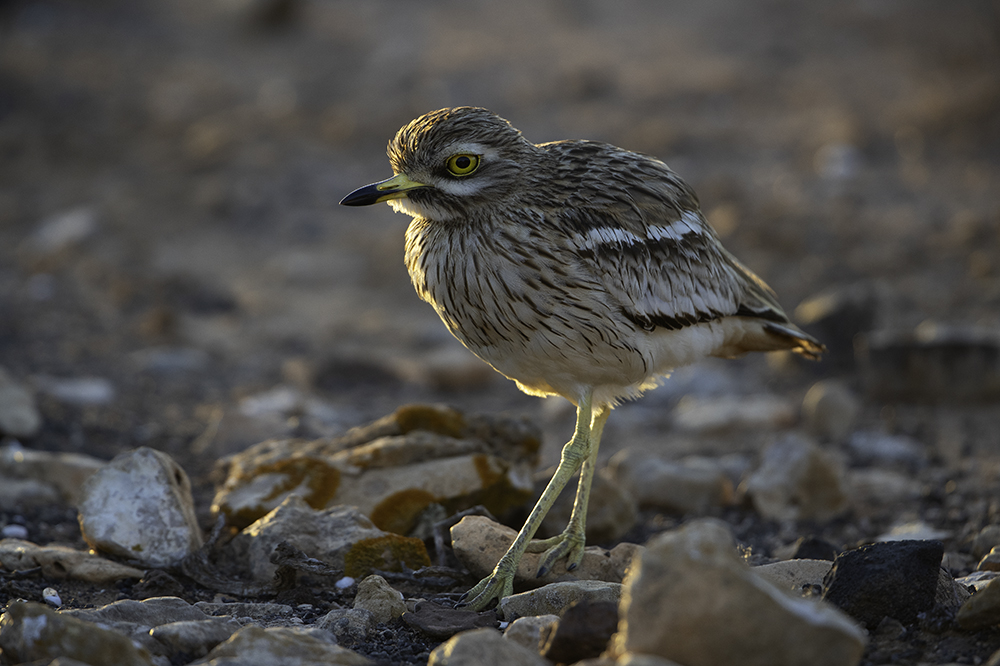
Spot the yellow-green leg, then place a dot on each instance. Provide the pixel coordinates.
(500, 583)
(571, 542)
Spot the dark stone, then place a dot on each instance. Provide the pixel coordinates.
(814, 548)
(582, 632)
(157, 583)
(895, 579)
(440, 622)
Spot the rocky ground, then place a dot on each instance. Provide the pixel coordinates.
(175, 272)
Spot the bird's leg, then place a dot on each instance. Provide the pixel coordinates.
(500, 583)
(571, 542)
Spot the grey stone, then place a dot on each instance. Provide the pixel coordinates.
(19, 416)
(288, 646)
(348, 624)
(193, 637)
(797, 480)
(554, 598)
(829, 409)
(528, 631)
(377, 597)
(692, 485)
(483, 647)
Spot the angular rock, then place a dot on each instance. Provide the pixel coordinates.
(440, 622)
(340, 536)
(63, 562)
(977, 580)
(528, 631)
(797, 480)
(19, 416)
(582, 632)
(391, 469)
(483, 647)
(66, 472)
(139, 507)
(692, 485)
(719, 414)
(30, 631)
(348, 624)
(254, 646)
(193, 637)
(612, 510)
(554, 598)
(796, 576)
(479, 543)
(950, 594)
(898, 579)
(691, 599)
(377, 597)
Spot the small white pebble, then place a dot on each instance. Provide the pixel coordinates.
(344, 583)
(14, 532)
(51, 597)
(503, 625)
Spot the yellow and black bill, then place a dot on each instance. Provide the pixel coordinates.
(396, 187)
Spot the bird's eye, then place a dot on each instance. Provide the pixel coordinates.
(462, 164)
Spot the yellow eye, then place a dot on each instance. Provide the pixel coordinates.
(462, 164)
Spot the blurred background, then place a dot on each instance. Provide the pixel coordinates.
(175, 270)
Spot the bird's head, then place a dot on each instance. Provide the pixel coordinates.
(448, 162)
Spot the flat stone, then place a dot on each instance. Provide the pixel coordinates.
(193, 637)
(479, 543)
(692, 485)
(139, 507)
(19, 416)
(798, 576)
(583, 631)
(528, 631)
(30, 631)
(797, 480)
(255, 646)
(63, 562)
(691, 599)
(483, 647)
(377, 597)
(66, 472)
(440, 622)
(554, 598)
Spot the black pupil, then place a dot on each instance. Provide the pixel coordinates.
(463, 162)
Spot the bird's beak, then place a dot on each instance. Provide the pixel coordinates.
(396, 187)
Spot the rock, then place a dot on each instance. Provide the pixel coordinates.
(61, 231)
(982, 609)
(265, 614)
(77, 391)
(479, 543)
(690, 598)
(829, 410)
(157, 583)
(693, 485)
(977, 580)
(950, 594)
(718, 414)
(990, 561)
(19, 416)
(797, 576)
(612, 511)
(30, 631)
(932, 364)
(255, 646)
(582, 632)
(876, 448)
(554, 598)
(63, 562)
(66, 472)
(341, 536)
(139, 507)
(837, 315)
(440, 622)
(193, 637)
(377, 597)
(898, 579)
(14, 531)
(135, 619)
(984, 542)
(873, 488)
(632, 659)
(528, 631)
(916, 530)
(348, 624)
(17, 493)
(392, 469)
(483, 647)
(797, 481)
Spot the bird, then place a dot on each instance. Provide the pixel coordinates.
(576, 269)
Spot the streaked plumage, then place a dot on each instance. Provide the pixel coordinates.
(574, 268)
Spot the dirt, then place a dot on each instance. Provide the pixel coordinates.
(831, 144)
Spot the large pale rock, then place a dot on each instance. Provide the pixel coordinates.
(377, 597)
(66, 472)
(139, 507)
(63, 562)
(693, 485)
(797, 480)
(479, 543)
(254, 646)
(554, 598)
(689, 598)
(483, 647)
(391, 469)
(31, 631)
(340, 536)
(19, 416)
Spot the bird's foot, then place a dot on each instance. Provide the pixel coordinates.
(497, 585)
(569, 545)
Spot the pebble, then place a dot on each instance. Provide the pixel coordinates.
(139, 507)
(479, 543)
(898, 579)
(288, 646)
(582, 632)
(19, 415)
(63, 562)
(797, 480)
(484, 647)
(554, 598)
(51, 596)
(528, 631)
(727, 413)
(377, 597)
(14, 532)
(692, 485)
(77, 391)
(877, 448)
(985, 540)
(691, 599)
(62, 230)
(830, 409)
